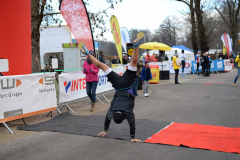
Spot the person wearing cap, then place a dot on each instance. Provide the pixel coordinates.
(101, 57)
(183, 58)
(91, 72)
(146, 75)
(176, 67)
(197, 59)
(205, 64)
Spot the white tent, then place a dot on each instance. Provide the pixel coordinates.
(188, 54)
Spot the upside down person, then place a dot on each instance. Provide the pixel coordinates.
(123, 102)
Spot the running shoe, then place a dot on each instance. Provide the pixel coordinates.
(234, 85)
(137, 41)
(83, 48)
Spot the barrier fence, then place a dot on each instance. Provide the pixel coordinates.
(26, 95)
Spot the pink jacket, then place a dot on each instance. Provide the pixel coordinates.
(90, 76)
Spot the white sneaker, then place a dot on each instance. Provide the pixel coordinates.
(145, 95)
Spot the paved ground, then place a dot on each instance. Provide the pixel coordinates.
(204, 100)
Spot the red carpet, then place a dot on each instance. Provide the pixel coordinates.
(214, 138)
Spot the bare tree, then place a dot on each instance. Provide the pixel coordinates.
(231, 18)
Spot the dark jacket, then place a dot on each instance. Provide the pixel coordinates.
(139, 65)
(205, 61)
(114, 61)
(122, 101)
(144, 76)
(101, 59)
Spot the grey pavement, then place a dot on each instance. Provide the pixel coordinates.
(204, 100)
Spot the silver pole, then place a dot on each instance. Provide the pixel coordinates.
(7, 127)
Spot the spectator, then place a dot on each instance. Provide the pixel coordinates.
(125, 60)
(197, 59)
(166, 58)
(220, 56)
(136, 81)
(146, 75)
(91, 72)
(210, 63)
(152, 56)
(237, 61)
(101, 57)
(205, 64)
(147, 58)
(154, 59)
(183, 59)
(176, 66)
(144, 59)
(114, 61)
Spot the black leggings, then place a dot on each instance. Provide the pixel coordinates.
(183, 66)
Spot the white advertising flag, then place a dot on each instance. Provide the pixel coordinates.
(125, 37)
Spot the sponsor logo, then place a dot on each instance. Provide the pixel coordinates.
(49, 80)
(115, 33)
(77, 84)
(13, 84)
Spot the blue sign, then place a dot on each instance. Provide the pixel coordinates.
(216, 65)
(96, 45)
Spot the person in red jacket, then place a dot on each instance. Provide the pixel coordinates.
(91, 72)
(147, 57)
(154, 59)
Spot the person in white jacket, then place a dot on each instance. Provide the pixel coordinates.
(183, 59)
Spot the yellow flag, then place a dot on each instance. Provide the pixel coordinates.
(224, 49)
(116, 35)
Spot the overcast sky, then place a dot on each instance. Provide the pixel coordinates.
(139, 14)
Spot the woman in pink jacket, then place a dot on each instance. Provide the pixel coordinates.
(91, 72)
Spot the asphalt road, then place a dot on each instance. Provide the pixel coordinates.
(204, 100)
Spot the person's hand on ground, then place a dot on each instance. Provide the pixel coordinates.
(135, 140)
(102, 134)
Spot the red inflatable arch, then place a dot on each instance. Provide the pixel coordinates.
(15, 36)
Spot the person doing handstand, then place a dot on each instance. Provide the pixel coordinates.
(123, 102)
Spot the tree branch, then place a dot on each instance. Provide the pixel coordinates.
(223, 17)
(41, 12)
(184, 2)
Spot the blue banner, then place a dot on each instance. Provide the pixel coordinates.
(216, 65)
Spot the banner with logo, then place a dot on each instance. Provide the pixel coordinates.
(116, 35)
(75, 14)
(72, 85)
(163, 66)
(26, 95)
(227, 65)
(125, 37)
(187, 69)
(219, 65)
(194, 67)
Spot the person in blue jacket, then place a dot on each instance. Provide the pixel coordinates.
(146, 75)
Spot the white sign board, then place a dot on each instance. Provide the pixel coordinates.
(219, 65)
(4, 67)
(26, 95)
(72, 85)
(227, 65)
(187, 69)
(54, 63)
(163, 66)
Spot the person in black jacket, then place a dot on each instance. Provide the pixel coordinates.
(101, 57)
(205, 64)
(123, 102)
(114, 61)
